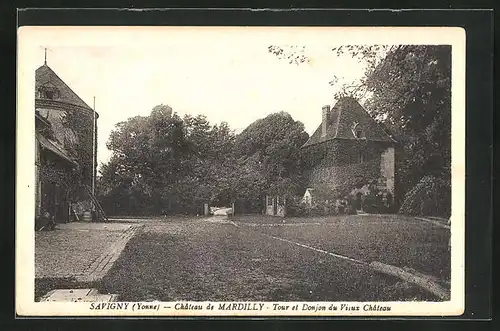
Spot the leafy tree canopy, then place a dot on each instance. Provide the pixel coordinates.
(407, 88)
(164, 163)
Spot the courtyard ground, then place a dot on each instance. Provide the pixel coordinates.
(220, 259)
(78, 254)
(405, 242)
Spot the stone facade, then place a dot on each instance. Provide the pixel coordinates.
(349, 150)
(67, 134)
(387, 162)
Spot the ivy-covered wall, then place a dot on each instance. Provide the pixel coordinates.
(67, 122)
(348, 151)
(72, 127)
(338, 166)
(55, 178)
(81, 122)
(342, 179)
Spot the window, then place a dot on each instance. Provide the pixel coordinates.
(357, 131)
(48, 92)
(269, 201)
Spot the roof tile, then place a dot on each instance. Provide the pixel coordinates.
(344, 114)
(45, 74)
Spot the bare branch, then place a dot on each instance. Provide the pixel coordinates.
(293, 54)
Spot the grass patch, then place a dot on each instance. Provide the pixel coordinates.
(220, 262)
(391, 239)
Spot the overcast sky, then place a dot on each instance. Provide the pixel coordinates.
(228, 75)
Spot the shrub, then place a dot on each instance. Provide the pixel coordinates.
(296, 208)
(320, 207)
(350, 210)
(370, 204)
(430, 197)
(349, 207)
(315, 210)
(326, 208)
(374, 203)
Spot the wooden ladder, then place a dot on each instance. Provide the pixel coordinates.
(96, 204)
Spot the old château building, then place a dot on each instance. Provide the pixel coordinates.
(348, 151)
(66, 148)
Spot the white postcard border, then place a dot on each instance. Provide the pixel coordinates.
(30, 38)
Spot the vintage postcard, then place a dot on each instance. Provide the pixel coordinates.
(240, 171)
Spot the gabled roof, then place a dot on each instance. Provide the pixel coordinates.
(346, 112)
(45, 75)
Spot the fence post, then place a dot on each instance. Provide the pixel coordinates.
(232, 209)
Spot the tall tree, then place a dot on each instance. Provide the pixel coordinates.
(411, 95)
(149, 154)
(164, 163)
(272, 145)
(407, 88)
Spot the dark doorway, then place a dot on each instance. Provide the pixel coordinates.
(357, 202)
(61, 205)
(54, 201)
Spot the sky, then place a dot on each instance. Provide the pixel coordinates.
(226, 74)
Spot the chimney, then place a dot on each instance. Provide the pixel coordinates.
(324, 120)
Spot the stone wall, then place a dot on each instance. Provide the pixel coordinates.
(38, 184)
(340, 180)
(343, 152)
(72, 127)
(387, 167)
(343, 164)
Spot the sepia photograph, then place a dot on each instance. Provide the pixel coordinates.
(276, 171)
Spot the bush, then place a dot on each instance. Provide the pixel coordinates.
(373, 203)
(370, 204)
(349, 208)
(430, 197)
(296, 208)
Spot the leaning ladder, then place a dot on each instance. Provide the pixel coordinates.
(96, 204)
